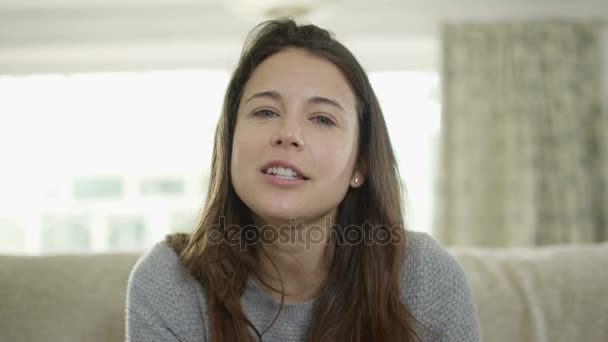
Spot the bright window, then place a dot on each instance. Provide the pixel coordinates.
(114, 161)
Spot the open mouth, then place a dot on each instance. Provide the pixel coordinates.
(283, 173)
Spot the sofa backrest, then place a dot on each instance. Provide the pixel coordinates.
(64, 298)
(552, 293)
(557, 293)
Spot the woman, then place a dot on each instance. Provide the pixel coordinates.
(301, 238)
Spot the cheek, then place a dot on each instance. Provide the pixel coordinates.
(336, 160)
(242, 153)
(247, 149)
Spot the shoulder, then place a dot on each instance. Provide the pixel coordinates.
(425, 257)
(163, 298)
(436, 289)
(160, 269)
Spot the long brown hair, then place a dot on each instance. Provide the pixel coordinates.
(360, 299)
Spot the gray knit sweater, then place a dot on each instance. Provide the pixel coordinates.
(164, 303)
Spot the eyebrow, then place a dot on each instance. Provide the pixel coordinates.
(314, 99)
(327, 101)
(272, 94)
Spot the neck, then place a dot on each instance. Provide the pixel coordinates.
(300, 259)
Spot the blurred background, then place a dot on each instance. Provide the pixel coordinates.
(496, 111)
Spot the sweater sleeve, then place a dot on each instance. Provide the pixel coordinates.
(162, 301)
(443, 298)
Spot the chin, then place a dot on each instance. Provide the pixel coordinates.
(279, 215)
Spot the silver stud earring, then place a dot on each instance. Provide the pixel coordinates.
(356, 180)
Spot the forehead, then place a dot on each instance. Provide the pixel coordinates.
(297, 73)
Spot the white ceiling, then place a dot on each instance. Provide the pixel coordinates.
(72, 35)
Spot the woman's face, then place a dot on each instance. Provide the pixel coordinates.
(296, 110)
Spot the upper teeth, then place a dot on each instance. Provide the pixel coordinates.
(282, 171)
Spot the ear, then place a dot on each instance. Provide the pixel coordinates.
(358, 177)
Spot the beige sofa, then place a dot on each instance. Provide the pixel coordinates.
(557, 293)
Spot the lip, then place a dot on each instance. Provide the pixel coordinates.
(283, 182)
(284, 164)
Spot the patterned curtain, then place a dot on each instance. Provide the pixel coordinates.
(524, 146)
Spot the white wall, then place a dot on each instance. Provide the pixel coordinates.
(74, 35)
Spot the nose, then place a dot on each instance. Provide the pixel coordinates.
(289, 134)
